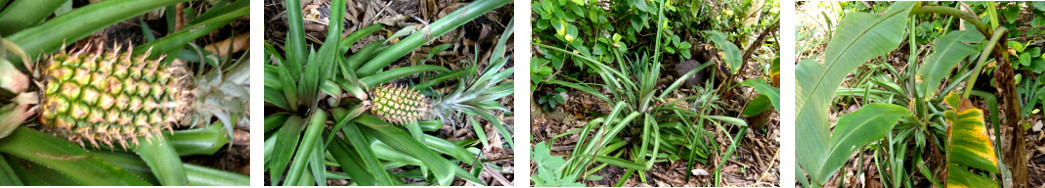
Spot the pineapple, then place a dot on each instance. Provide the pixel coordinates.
(111, 97)
(398, 104)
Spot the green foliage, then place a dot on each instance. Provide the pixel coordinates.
(730, 52)
(551, 99)
(371, 149)
(860, 37)
(549, 168)
(38, 28)
(957, 57)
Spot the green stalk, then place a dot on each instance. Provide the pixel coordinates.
(424, 35)
(998, 33)
(51, 35)
(969, 17)
(159, 154)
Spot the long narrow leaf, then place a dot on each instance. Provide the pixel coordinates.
(66, 157)
(49, 36)
(164, 161)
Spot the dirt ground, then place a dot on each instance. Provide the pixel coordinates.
(395, 15)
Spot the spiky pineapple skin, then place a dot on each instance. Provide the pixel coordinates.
(398, 104)
(99, 97)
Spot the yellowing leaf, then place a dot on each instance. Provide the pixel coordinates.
(968, 144)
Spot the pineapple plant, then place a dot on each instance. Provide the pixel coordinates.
(89, 95)
(340, 101)
(125, 113)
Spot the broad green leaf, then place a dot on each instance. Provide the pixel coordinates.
(969, 144)
(765, 89)
(757, 106)
(950, 49)
(859, 128)
(860, 37)
(958, 176)
(729, 54)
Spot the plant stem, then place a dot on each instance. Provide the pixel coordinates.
(971, 18)
(982, 61)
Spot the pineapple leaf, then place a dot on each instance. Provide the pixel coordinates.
(48, 37)
(66, 157)
(159, 154)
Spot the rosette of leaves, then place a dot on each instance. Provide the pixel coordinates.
(379, 134)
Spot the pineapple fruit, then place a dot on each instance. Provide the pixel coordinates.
(398, 104)
(97, 97)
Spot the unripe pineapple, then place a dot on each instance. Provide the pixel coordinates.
(95, 96)
(398, 104)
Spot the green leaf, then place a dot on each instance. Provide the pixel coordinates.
(424, 35)
(958, 176)
(757, 106)
(402, 142)
(66, 157)
(286, 144)
(948, 51)
(207, 140)
(860, 37)
(203, 176)
(765, 89)
(49, 36)
(7, 175)
(22, 14)
(1016, 45)
(1037, 65)
(969, 145)
(211, 20)
(859, 128)
(729, 54)
(313, 133)
(159, 154)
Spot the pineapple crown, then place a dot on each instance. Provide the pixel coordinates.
(93, 95)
